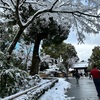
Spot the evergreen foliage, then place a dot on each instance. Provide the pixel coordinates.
(47, 30)
(95, 56)
(13, 79)
(66, 51)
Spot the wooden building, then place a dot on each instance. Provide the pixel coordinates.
(81, 67)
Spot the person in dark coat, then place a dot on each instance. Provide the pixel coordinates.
(96, 78)
(77, 76)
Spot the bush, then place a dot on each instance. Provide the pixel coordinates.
(15, 80)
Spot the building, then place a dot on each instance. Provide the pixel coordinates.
(81, 67)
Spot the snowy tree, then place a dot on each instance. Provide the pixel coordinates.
(24, 54)
(12, 79)
(48, 31)
(66, 51)
(7, 33)
(95, 56)
(84, 15)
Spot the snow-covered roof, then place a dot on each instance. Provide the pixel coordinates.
(80, 65)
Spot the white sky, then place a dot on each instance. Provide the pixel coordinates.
(84, 51)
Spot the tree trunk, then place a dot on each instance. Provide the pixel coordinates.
(15, 40)
(35, 58)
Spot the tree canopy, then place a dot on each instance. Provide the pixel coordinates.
(95, 56)
(82, 15)
(47, 30)
(50, 31)
(66, 51)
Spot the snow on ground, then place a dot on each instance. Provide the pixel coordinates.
(58, 91)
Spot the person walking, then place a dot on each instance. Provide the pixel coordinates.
(90, 76)
(77, 76)
(96, 78)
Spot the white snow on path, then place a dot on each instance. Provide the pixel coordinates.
(58, 91)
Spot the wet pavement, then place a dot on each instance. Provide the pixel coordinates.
(85, 90)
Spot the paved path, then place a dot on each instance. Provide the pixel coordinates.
(84, 91)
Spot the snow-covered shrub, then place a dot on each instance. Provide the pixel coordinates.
(61, 67)
(33, 80)
(14, 61)
(15, 80)
(11, 81)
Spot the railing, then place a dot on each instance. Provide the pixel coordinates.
(52, 81)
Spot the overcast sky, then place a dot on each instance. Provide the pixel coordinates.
(84, 51)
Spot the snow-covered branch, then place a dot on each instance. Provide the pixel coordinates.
(5, 7)
(23, 1)
(17, 13)
(77, 13)
(64, 11)
(5, 3)
(35, 15)
(13, 3)
(54, 4)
